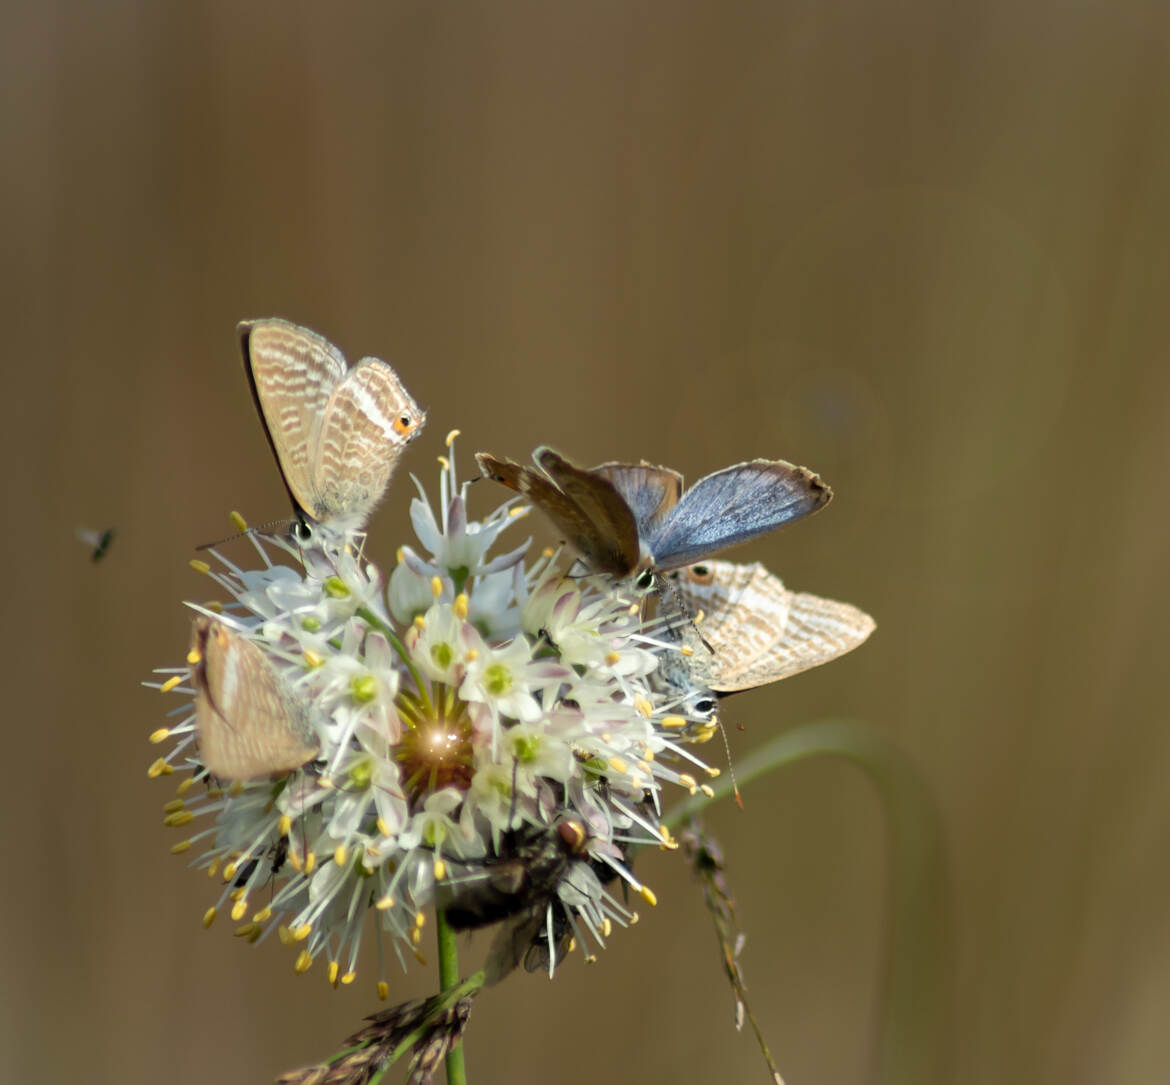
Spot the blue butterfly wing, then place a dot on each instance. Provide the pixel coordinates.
(734, 505)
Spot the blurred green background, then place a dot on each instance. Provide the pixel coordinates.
(920, 247)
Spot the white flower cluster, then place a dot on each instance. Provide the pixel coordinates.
(487, 736)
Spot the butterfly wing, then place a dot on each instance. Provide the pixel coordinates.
(734, 505)
(292, 371)
(605, 532)
(369, 419)
(651, 492)
(759, 631)
(247, 724)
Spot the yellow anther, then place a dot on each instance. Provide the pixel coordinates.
(590, 958)
(229, 871)
(384, 903)
(212, 868)
(238, 522)
(687, 650)
(262, 916)
(383, 990)
(181, 817)
(237, 895)
(699, 617)
(199, 566)
(185, 786)
(672, 723)
(449, 440)
(284, 825)
(472, 655)
(194, 656)
(214, 605)
(647, 894)
(310, 862)
(304, 962)
(643, 706)
(647, 754)
(613, 658)
(325, 782)
(644, 767)
(294, 860)
(420, 622)
(440, 870)
(618, 765)
(334, 973)
(436, 586)
(161, 735)
(516, 511)
(460, 607)
(688, 781)
(547, 552)
(182, 846)
(302, 932)
(313, 659)
(705, 735)
(286, 936)
(383, 828)
(171, 682)
(399, 555)
(633, 609)
(174, 805)
(209, 916)
(420, 918)
(158, 768)
(606, 927)
(236, 789)
(571, 946)
(712, 771)
(416, 936)
(349, 977)
(419, 956)
(707, 790)
(239, 909)
(340, 855)
(245, 931)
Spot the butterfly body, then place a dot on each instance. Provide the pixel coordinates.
(336, 432)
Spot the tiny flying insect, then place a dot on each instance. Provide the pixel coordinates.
(756, 629)
(637, 520)
(248, 724)
(337, 433)
(97, 541)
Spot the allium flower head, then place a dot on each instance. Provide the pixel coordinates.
(481, 733)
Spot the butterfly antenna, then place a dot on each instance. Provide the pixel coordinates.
(242, 529)
(730, 765)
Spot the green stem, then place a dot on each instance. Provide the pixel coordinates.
(371, 618)
(449, 978)
(915, 1042)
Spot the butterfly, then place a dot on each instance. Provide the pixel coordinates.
(247, 722)
(336, 432)
(754, 630)
(636, 519)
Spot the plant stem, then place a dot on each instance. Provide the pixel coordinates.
(448, 978)
(915, 1041)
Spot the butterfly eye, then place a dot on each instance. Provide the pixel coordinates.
(705, 706)
(301, 532)
(403, 424)
(645, 580)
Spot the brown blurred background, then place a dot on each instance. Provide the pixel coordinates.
(919, 247)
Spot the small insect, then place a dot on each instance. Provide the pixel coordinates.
(337, 433)
(97, 541)
(636, 519)
(756, 629)
(248, 724)
(524, 875)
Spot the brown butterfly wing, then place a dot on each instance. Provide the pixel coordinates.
(650, 491)
(247, 724)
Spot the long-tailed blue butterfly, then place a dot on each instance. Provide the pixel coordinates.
(336, 432)
(247, 722)
(624, 519)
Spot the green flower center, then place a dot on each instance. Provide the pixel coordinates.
(497, 679)
(441, 653)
